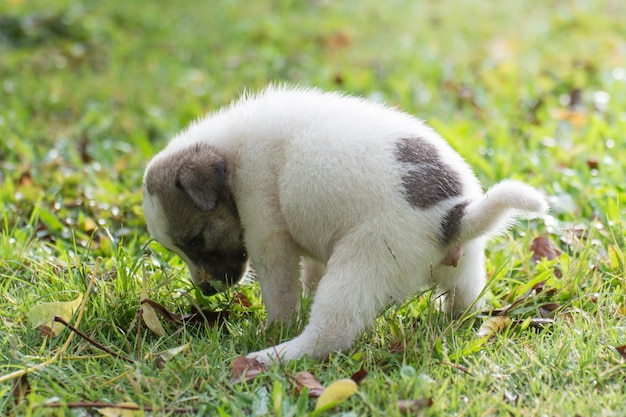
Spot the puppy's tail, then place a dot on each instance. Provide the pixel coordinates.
(497, 209)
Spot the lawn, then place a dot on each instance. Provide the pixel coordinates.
(529, 90)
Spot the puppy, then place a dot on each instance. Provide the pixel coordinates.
(371, 202)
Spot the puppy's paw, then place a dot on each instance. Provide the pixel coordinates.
(284, 352)
(264, 357)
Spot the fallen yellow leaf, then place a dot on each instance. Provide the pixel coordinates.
(41, 316)
(335, 394)
(148, 314)
(121, 410)
(169, 354)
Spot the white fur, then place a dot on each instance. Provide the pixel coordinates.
(314, 176)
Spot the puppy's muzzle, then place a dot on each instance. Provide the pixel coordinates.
(216, 273)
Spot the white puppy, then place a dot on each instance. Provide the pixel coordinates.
(369, 200)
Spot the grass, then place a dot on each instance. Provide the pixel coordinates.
(91, 91)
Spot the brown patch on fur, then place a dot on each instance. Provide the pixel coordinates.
(427, 181)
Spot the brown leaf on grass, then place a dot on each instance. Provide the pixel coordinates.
(164, 312)
(245, 369)
(593, 163)
(204, 316)
(543, 247)
(359, 375)
(547, 310)
(414, 406)
(307, 380)
(241, 299)
(622, 351)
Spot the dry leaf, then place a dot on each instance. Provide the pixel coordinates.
(241, 299)
(493, 325)
(543, 247)
(203, 316)
(306, 379)
(414, 406)
(593, 163)
(547, 310)
(121, 410)
(169, 354)
(359, 375)
(148, 314)
(245, 369)
(41, 316)
(336, 393)
(164, 312)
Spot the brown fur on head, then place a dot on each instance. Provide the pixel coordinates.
(190, 210)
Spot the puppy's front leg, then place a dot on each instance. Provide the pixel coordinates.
(276, 263)
(344, 304)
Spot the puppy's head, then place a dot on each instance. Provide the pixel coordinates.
(190, 210)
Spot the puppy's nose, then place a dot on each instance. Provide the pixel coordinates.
(207, 288)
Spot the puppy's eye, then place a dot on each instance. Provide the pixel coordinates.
(196, 241)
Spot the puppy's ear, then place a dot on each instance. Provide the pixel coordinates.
(201, 176)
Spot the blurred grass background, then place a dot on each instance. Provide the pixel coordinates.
(533, 90)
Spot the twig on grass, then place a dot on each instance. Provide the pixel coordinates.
(90, 404)
(459, 367)
(91, 340)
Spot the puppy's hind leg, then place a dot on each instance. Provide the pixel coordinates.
(460, 286)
